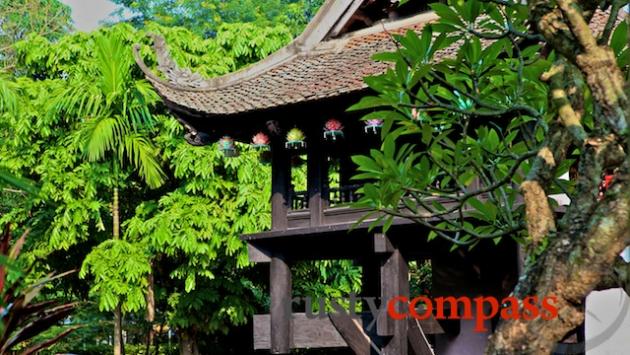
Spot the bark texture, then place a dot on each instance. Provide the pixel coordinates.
(150, 316)
(118, 336)
(119, 346)
(188, 342)
(584, 245)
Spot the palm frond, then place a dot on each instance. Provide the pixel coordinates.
(79, 100)
(26, 185)
(100, 135)
(114, 64)
(143, 156)
(114, 111)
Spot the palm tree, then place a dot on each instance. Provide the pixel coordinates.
(113, 109)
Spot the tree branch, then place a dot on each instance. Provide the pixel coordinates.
(618, 277)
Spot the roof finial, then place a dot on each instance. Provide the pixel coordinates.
(175, 75)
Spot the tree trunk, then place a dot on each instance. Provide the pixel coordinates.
(583, 250)
(188, 342)
(150, 316)
(119, 348)
(116, 215)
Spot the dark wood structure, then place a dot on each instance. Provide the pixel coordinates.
(311, 80)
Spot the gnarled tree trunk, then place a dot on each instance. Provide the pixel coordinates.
(584, 245)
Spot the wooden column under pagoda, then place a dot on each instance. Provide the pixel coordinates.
(280, 182)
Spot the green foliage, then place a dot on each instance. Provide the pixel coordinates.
(72, 104)
(420, 278)
(327, 279)
(461, 131)
(619, 44)
(454, 124)
(66, 120)
(119, 269)
(205, 17)
(197, 227)
(113, 112)
(47, 18)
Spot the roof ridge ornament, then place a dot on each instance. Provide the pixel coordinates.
(183, 77)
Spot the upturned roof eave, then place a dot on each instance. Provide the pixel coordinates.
(315, 32)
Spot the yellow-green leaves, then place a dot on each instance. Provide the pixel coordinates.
(119, 269)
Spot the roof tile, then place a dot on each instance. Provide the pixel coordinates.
(336, 69)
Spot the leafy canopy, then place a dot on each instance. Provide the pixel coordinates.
(114, 110)
(73, 101)
(205, 17)
(47, 18)
(465, 113)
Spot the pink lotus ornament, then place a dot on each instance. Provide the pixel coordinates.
(260, 141)
(333, 129)
(374, 125)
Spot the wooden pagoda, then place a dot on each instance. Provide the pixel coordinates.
(313, 79)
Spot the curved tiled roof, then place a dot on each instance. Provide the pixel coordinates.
(326, 69)
(309, 69)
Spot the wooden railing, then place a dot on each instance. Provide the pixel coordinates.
(299, 200)
(337, 196)
(343, 195)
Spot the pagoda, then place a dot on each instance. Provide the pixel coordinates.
(303, 91)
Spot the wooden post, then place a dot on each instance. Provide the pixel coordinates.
(317, 171)
(418, 343)
(346, 168)
(352, 333)
(394, 283)
(280, 179)
(281, 313)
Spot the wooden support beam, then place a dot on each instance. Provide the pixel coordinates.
(308, 333)
(418, 342)
(352, 333)
(317, 172)
(382, 244)
(313, 333)
(280, 181)
(394, 283)
(281, 302)
(257, 255)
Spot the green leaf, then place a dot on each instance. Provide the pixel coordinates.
(367, 103)
(366, 163)
(619, 39)
(190, 283)
(447, 15)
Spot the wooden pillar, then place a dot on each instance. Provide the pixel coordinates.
(280, 180)
(394, 283)
(317, 172)
(280, 311)
(346, 168)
